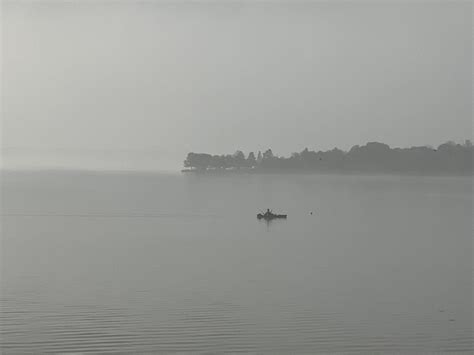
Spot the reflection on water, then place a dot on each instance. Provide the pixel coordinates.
(144, 263)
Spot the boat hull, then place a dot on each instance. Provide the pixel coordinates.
(275, 216)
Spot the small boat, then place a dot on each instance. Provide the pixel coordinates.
(269, 215)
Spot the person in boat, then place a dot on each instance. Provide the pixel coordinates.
(268, 213)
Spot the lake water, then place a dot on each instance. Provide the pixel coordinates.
(129, 262)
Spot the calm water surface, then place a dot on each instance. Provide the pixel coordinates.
(120, 262)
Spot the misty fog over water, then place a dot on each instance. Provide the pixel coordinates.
(128, 85)
(106, 248)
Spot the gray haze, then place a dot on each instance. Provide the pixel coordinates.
(136, 85)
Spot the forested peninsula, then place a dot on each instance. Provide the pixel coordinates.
(448, 158)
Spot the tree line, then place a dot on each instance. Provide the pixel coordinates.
(373, 157)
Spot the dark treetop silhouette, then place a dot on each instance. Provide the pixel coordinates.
(448, 158)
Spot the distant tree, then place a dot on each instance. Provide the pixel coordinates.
(354, 149)
(305, 156)
(215, 162)
(223, 162)
(191, 161)
(447, 147)
(199, 161)
(239, 159)
(268, 154)
(269, 161)
(259, 157)
(251, 161)
(188, 161)
(229, 161)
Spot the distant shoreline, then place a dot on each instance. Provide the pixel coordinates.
(372, 158)
(184, 172)
(312, 172)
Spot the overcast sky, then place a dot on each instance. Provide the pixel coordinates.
(139, 84)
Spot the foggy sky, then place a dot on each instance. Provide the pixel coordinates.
(139, 84)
